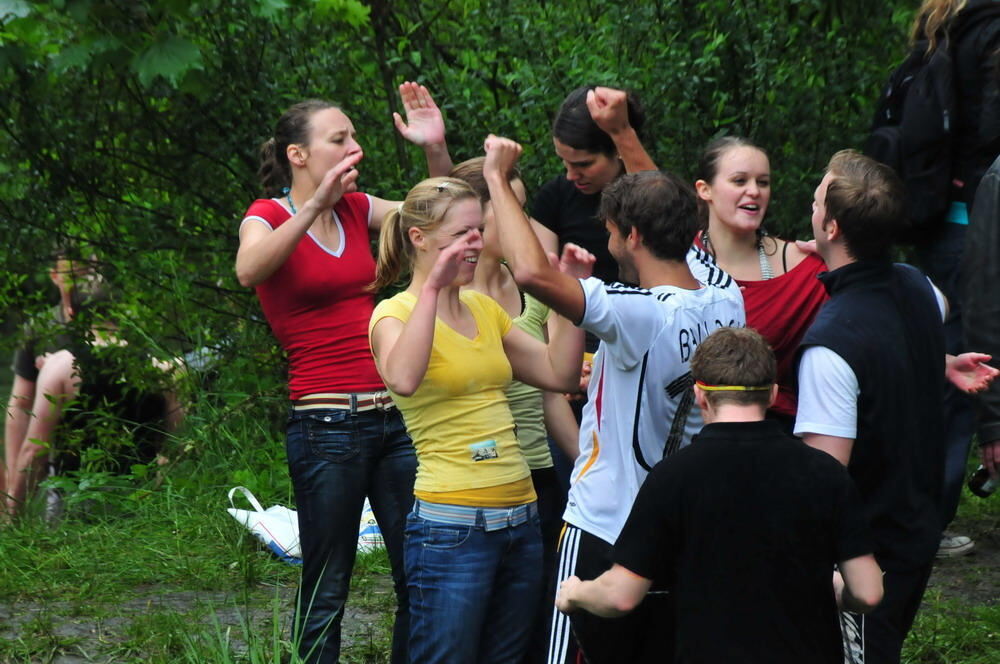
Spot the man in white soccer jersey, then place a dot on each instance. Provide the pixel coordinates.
(640, 403)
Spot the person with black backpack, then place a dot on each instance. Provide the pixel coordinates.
(938, 125)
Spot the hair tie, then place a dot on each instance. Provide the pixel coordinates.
(399, 209)
(442, 186)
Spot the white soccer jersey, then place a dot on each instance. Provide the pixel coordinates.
(641, 405)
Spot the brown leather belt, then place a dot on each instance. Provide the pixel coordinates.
(357, 402)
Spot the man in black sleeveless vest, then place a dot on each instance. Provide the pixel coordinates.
(870, 380)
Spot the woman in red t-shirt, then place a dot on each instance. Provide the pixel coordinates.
(780, 290)
(306, 251)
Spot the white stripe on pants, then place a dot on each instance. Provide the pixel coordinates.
(562, 633)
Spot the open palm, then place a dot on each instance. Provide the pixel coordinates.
(424, 123)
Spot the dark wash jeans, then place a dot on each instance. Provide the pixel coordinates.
(942, 262)
(335, 459)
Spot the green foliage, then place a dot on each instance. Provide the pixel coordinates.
(130, 129)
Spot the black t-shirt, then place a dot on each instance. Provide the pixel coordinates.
(745, 526)
(572, 216)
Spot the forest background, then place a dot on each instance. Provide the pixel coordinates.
(129, 129)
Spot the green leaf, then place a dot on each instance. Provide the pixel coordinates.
(76, 56)
(14, 9)
(170, 58)
(268, 8)
(352, 12)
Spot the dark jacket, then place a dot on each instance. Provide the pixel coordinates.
(883, 320)
(981, 286)
(977, 126)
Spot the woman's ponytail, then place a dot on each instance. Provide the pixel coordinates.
(394, 251)
(273, 177)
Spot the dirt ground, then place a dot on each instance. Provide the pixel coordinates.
(973, 578)
(95, 637)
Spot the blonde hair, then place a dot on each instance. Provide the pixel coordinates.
(932, 19)
(425, 208)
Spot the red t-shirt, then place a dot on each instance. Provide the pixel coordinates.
(317, 305)
(782, 309)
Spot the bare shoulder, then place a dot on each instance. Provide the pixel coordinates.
(792, 254)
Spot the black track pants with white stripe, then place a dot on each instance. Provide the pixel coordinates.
(645, 635)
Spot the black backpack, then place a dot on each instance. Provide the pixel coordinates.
(913, 125)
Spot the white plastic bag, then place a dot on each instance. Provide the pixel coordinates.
(369, 534)
(277, 527)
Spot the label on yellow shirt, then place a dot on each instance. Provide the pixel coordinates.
(485, 450)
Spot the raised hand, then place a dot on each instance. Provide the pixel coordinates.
(609, 109)
(969, 372)
(339, 180)
(424, 123)
(576, 261)
(501, 155)
(451, 258)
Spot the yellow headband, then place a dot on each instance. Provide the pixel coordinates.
(731, 388)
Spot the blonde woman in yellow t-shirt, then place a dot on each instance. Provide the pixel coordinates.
(473, 552)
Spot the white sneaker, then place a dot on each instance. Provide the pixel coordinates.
(954, 545)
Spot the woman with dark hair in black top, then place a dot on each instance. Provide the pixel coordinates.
(597, 135)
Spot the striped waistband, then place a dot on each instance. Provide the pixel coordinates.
(357, 402)
(489, 518)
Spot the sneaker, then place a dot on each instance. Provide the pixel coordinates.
(954, 545)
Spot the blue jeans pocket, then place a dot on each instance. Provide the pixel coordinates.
(332, 435)
(433, 535)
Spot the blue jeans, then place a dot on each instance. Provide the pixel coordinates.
(335, 459)
(942, 261)
(473, 592)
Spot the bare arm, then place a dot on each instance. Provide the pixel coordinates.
(262, 251)
(22, 395)
(56, 384)
(609, 109)
(859, 588)
(611, 595)
(403, 350)
(424, 127)
(561, 425)
(553, 367)
(837, 447)
(525, 256)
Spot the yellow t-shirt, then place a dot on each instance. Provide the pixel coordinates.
(458, 418)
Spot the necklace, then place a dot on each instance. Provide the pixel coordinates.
(288, 197)
(765, 265)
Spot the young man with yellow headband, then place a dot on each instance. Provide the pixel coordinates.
(744, 527)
